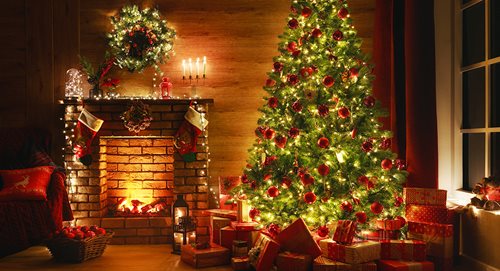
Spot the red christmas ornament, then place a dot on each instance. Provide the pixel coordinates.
(306, 179)
(306, 12)
(316, 33)
(268, 161)
(273, 102)
(369, 101)
(376, 208)
(280, 141)
(292, 46)
(367, 146)
(386, 164)
(297, 106)
(273, 229)
(369, 185)
(354, 132)
(323, 231)
(356, 200)
(259, 131)
(337, 35)
(253, 213)
(294, 132)
(244, 178)
(361, 217)
(273, 191)
(293, 23)
(328, 81)
(270, 82)
(323, 110)
(306, 71)
(314, 68)
(346, 206)
(310, 197)
(296, 53)
(402, 219)
(385, 144)
(277, 66)
(353, 72)
(398, 201)
(323, 170)
(400, 164)
(343, 12)
(286, 182)
(267, 176)
(363, 179)
(344, 112)
(323, 142)
(269, 133)
(293, 79)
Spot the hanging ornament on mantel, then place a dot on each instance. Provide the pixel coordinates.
(137, 118)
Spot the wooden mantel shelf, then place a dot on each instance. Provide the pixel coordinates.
(120, 101)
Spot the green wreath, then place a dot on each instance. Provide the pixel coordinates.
(140, 38)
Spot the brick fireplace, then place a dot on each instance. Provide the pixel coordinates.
(131, 184)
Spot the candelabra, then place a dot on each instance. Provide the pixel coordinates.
(194, 75)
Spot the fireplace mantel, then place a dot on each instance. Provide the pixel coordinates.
(126, 100)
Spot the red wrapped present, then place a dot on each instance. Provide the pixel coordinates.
(243, 211)
(408, 250)
(358, 252)
(318, 238)
(289, 261)
(244, 226)
(240, 263)
(381, 235)
(229, 234)
(439, 239)
(324, 264)
(392, 265)
(264, 252)
(297, 238)
(424, 196)
(344, 233)
(215, 255)
(389, 224)
(427, 213)
(220, 213)
(217, 223)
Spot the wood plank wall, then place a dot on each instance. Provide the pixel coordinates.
(239, 38)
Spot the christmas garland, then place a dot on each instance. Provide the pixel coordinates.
(140, 38)
(137, 117)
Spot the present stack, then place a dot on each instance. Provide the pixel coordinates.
(429, 220)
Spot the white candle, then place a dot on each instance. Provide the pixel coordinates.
(190, 68)
(197, 67)
(204, 66)
(183, 68)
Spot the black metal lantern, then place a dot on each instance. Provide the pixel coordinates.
(184, 226)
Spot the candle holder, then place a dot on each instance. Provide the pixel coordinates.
(194, 72)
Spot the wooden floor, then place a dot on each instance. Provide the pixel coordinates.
(119, 258)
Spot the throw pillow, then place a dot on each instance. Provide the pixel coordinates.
(25, 184)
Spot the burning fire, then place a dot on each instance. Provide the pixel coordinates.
(136, 206)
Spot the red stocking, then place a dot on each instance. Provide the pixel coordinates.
(87, 127)
(187, 135)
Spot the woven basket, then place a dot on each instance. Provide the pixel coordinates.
(77, 251)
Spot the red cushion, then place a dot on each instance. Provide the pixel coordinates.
(25, 184)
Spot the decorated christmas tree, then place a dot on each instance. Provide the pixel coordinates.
(320, 152)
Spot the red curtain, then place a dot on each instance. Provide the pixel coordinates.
(405, 83)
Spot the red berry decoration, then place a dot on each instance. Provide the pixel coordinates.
(277, 66)
(398, 201)
(344, 112)
(293, 23)
(306, 71)
(323, 231)
(376, 208)
(286, 182)
(273, 191)
(316, 33)
(297, 106)
(369, 101)
(306, 179)
(293, 79)
(253, 213)
(270, 82)
(337, 35)
(294, 132)
(273, 102)
(343, 12)
(292, 46)
(361, 217)
(323, 110)
(323, 170)
(353, 72)
(386, 164)
(306, 12)
(280, 141)
(269, 133)
(310, 198)
(328, 81)
(346, 206)
(367, 146)
(323, 142)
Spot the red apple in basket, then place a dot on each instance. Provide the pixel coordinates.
(90, 234)
(84, 229)
(101, 231)
(70, 235)
(79, 235)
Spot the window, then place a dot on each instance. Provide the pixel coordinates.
(479, 88)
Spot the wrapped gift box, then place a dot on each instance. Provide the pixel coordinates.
(240, 263)
(231, 214)
(264, 252)
(297, 238)
(318, 238)
(427, 213)
(226, 184)
(408, 250)
(389, 224)
(424, 196)
(439, 239)
(217, 223)
(381, 235)
(244, 226)
(344, 233)
(324, 264)
(228, 234)
(289, 261)
(358, 252)
(392, 265)
(213, 256)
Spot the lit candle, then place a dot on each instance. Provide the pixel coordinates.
(183, 68)
(197, 67)
(204, 66)
(190, 68)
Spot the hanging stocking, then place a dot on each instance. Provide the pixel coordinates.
(87, 127)
(187, 135)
